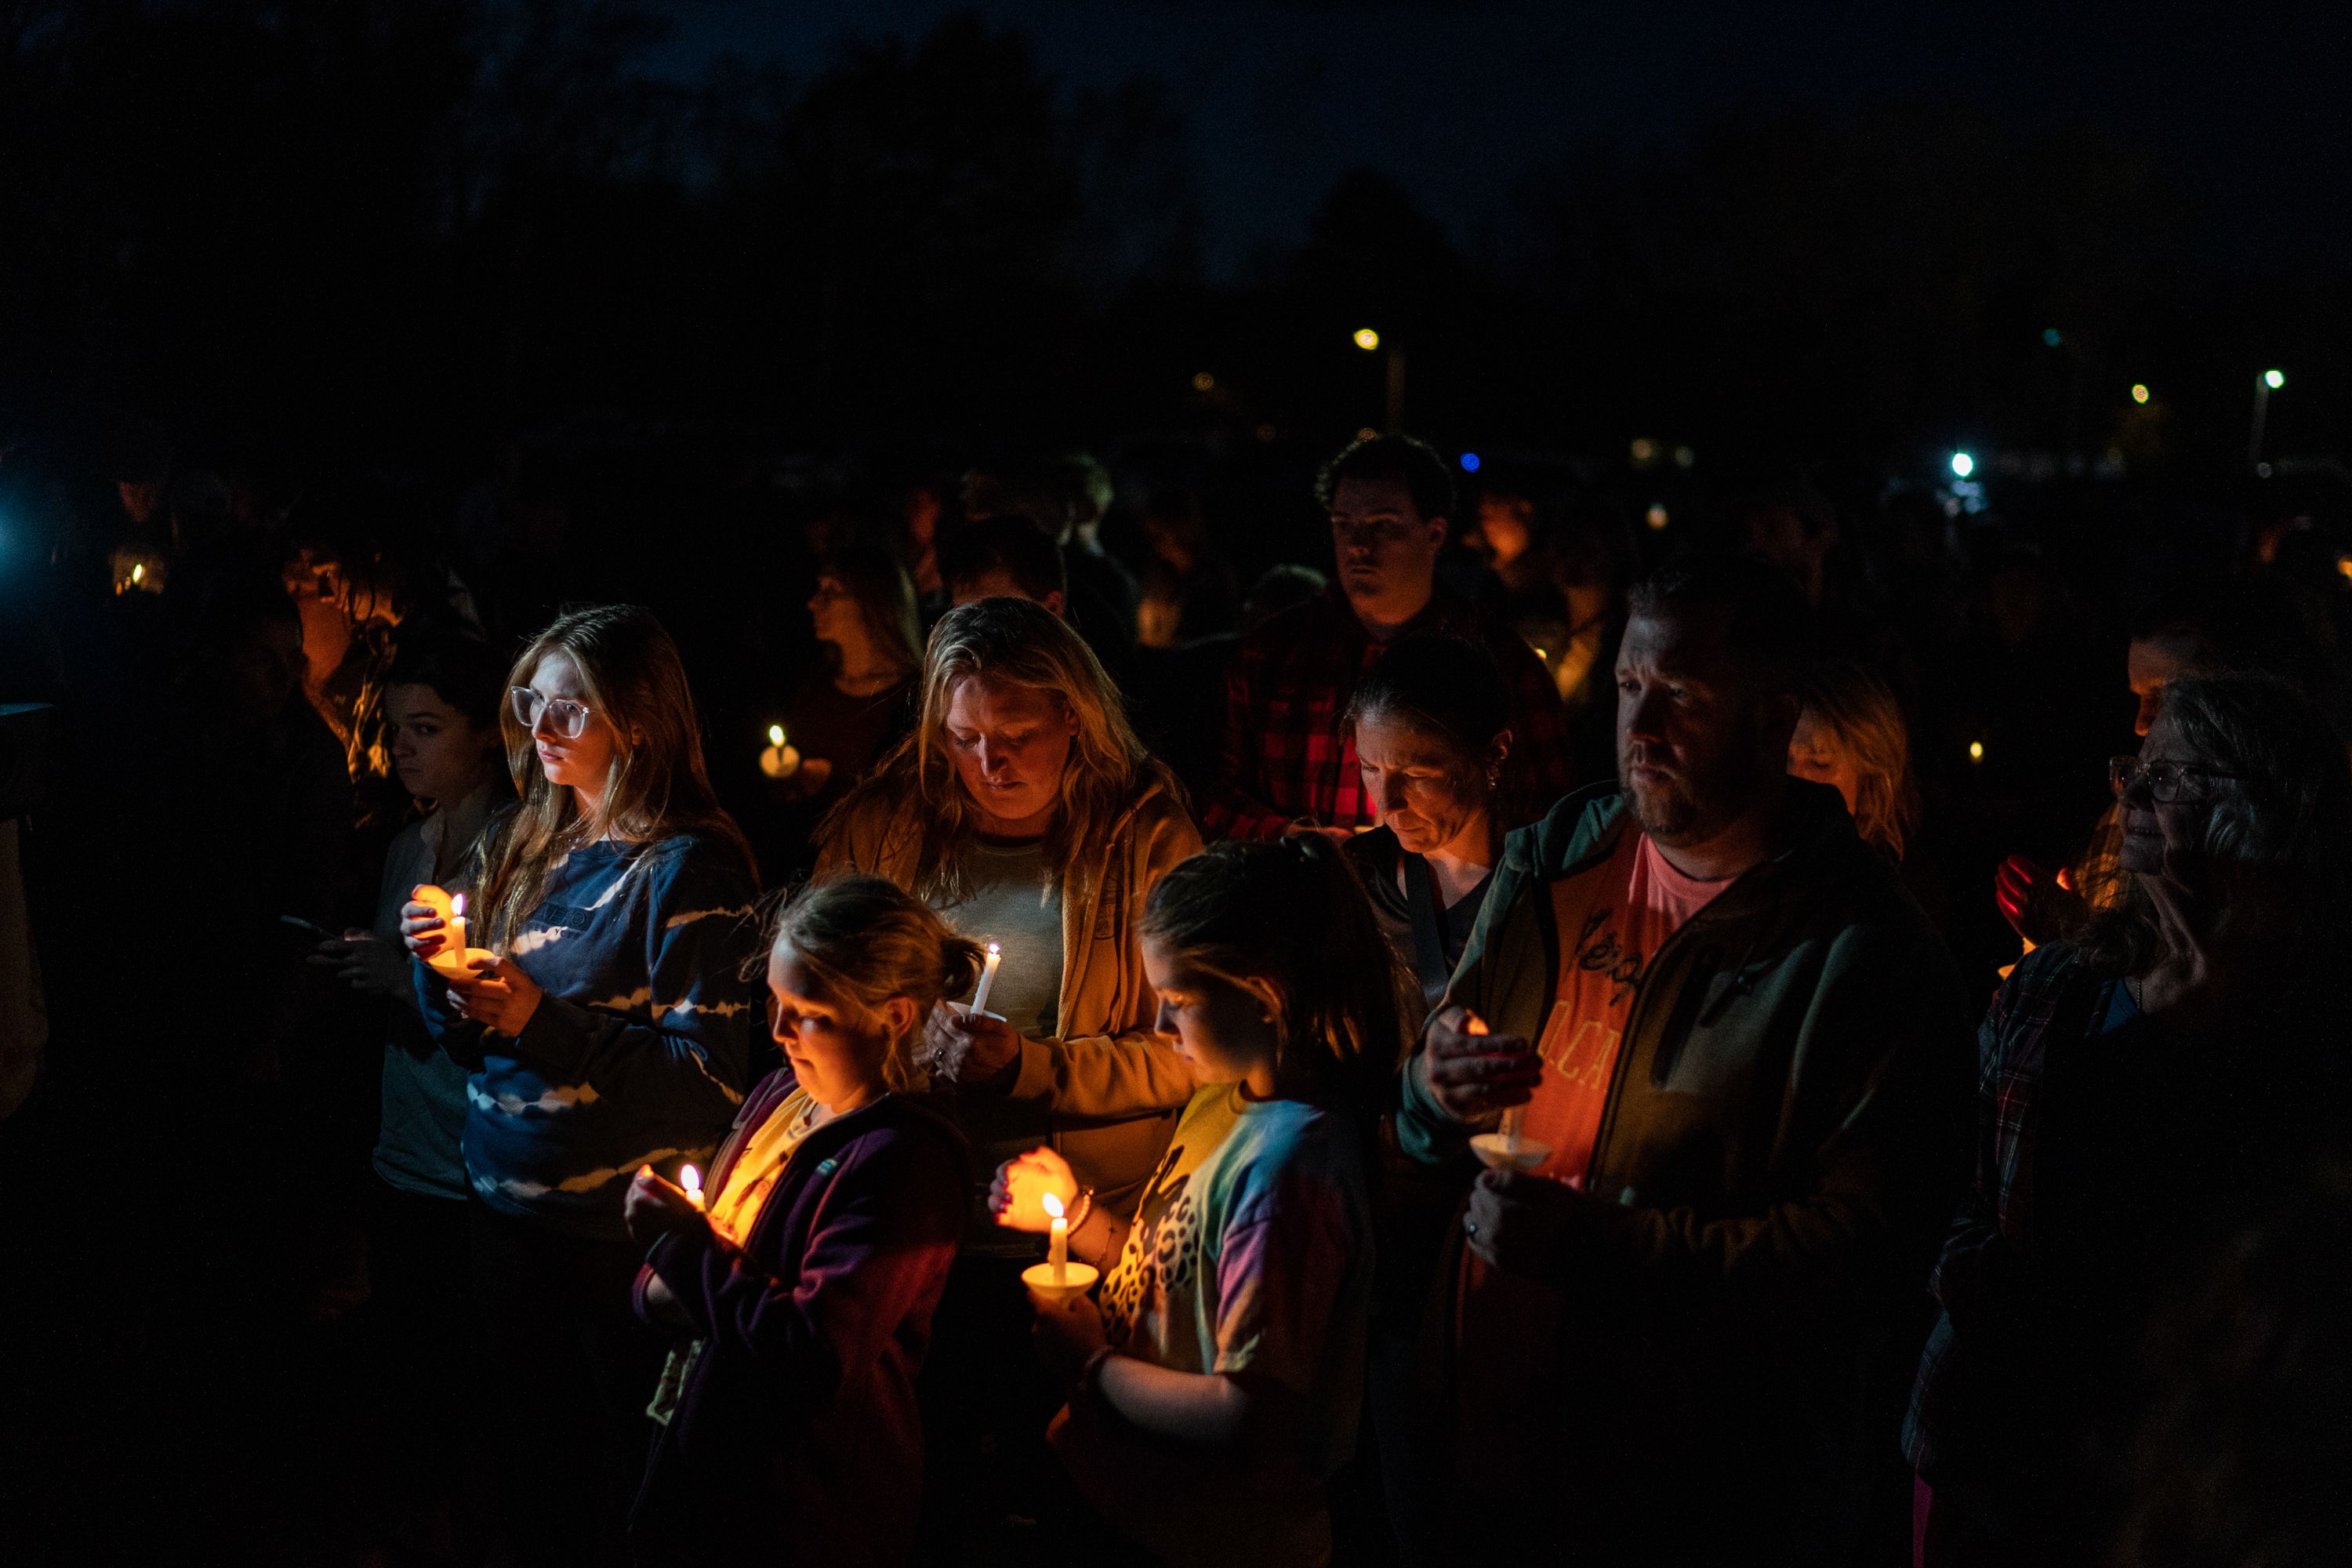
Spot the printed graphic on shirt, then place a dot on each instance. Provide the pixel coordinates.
(1601, 949)
(1607, 951)
(1158, 1251)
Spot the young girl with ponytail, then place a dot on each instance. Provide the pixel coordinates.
(1217, 1389)
(802, 1290)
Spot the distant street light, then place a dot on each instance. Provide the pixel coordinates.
(2139, 392)
(1963, 464)
(1367, 339)
(2270, 380)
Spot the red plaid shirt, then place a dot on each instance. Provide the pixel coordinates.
(1285, 761)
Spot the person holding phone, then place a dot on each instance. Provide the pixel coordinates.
(441, 701)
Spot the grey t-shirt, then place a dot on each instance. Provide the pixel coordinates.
(1015, 905)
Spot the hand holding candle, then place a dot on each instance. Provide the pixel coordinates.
(1503, 1149)
(1473, 1075)
(1023, 1183)
(453, 959)
(653, 1208)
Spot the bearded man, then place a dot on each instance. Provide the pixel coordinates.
(1744, 1062)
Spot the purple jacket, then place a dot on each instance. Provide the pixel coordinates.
(796, 1436)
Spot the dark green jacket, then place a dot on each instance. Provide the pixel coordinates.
(1782, 1143)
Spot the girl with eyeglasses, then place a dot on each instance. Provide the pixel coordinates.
(2133, 1079)
(613, 1030)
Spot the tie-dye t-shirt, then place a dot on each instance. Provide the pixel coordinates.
(640, 1050)
(1250, 1252)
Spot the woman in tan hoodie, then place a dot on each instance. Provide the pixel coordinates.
(1024, 809)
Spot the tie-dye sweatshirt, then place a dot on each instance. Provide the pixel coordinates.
(640, 1050)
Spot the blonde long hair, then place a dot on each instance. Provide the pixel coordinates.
(1865, 722)
(1019, 644)
(658, 788)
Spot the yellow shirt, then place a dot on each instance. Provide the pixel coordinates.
(735, 1207)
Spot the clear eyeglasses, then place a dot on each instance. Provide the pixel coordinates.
(2164, 779)
(565, 717)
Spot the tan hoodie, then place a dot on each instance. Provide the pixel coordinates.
(1107, 1093)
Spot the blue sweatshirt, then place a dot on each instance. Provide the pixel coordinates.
(640, 1050)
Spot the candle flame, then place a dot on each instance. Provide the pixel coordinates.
(1474, 1024)
(994, 951)
(690, 1179)
(1053, 1205)
(775, 734)
(139, 573)
(457, 905)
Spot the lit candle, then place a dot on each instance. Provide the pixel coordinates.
(1057, 1249)
(1504, 1149)
(1476, 1027)
(1058, 1279)
(782, 760)
(691, 1180)
(454, 959)
(987, 979)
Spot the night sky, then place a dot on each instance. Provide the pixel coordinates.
(2241, 109)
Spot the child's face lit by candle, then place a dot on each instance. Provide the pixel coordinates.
(585, 759)
(1221, 1028)
(835, 1049)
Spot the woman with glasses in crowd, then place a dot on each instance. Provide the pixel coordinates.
(614, 1029)
(2135, 1081)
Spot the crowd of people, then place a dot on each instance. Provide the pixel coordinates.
(1484, 1016)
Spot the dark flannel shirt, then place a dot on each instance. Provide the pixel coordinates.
(2053, 1001)
(1285, 761)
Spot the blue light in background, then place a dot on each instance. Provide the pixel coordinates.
(1469, 462)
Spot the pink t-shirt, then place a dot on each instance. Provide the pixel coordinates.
(1602, 962)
